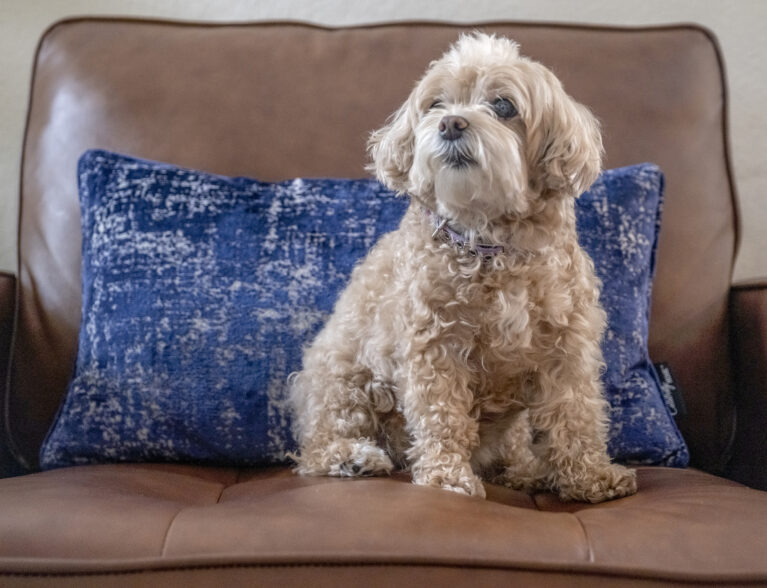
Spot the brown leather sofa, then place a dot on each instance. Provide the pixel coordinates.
(282, 100)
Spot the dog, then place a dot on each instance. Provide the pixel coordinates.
(466, 345)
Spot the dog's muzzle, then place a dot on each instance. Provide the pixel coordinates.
(451, 131)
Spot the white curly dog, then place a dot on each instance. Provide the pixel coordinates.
(467, 343)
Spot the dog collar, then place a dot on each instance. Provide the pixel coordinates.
(444, 233)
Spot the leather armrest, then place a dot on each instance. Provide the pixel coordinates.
(7, 308)
(749, 347)
(8, 465)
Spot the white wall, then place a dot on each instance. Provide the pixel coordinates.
(738, 24)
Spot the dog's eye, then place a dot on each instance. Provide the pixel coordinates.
(435, 104)
(504, 108)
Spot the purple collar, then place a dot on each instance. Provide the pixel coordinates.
(444, 233)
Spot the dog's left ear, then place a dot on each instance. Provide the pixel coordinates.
(391, 148)
(566, 144)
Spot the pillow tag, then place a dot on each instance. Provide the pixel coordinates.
(672, 394)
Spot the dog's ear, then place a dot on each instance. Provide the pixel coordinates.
(566, 144)
(391, 147)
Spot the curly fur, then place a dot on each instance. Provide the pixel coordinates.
(454, 366)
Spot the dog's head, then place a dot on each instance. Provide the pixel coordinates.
(487, 133)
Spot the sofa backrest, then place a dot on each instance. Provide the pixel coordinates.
(281, 100)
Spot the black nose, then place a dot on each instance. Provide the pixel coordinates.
(452, 127)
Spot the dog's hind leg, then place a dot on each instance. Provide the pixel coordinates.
(506, 454)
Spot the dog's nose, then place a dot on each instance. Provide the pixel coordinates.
(452, 127)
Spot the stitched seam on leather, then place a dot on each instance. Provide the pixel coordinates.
(175, 516)
(224, 487)
(590, 551)
(237, 474)
(587, 541)
(167, 532)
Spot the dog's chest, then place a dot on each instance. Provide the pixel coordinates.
(519, 319)
(504, 319)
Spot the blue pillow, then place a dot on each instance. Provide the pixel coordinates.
(199, 292)
(618, 221)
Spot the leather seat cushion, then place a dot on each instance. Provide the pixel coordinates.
(683, 523)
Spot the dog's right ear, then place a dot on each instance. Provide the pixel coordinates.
(391, 148)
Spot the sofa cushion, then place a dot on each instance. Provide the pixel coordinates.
(130, 519)
(199, 292)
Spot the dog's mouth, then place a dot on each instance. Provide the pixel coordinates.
(455, 156)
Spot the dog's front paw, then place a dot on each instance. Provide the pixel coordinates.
(459, 479)
(599, 484)
(343, 458)
(469, 486)
(362, 459)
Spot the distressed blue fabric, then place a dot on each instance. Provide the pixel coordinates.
(199, 292)
(618, 221)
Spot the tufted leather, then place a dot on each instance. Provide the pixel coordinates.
(152, 517)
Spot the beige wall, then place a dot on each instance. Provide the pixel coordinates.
(738, 24)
